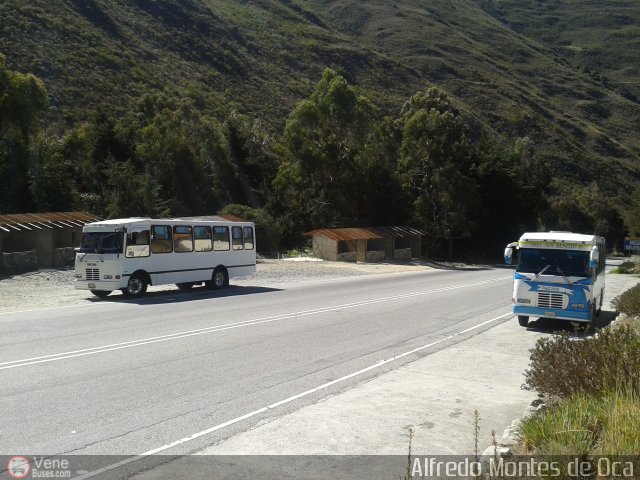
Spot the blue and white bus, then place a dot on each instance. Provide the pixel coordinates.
(558, 275)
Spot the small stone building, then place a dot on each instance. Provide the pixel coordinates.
(366, 244)
(29, 241)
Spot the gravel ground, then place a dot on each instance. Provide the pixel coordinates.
(54, 288)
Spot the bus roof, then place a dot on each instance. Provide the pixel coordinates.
(123, 222)
(558, 240)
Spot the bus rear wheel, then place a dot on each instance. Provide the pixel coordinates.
(523, 320)
(593, 323)
(101, 293)
(136, 287)
(219, 279)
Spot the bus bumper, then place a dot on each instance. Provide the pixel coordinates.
(572, 315)
(98, 285)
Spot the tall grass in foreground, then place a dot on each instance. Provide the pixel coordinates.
(585, 425)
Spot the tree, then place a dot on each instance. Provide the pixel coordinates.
(182, 167)
(633, 216)
(23, 99)
(125, 193)
(318, 181)
(435, 161)
(607, 220)
(251, 157)
(267, 233)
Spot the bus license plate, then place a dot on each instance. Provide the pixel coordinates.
(550, 314)
(92, 285)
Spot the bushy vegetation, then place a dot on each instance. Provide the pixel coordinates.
(563, 366)
(593, 385)
(628, 302)
(340, 162)
(626, 268)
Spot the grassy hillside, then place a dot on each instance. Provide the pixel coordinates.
(508, 81)
(602, 40)
(261, 56)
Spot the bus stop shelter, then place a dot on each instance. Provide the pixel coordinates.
(30, 241)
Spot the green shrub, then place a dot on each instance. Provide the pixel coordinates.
(628, 302)
(626, 268)
(563, 366)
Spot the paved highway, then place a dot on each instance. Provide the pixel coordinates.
(177, 371)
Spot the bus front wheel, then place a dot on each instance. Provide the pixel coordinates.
(523, 320)
(136, 287)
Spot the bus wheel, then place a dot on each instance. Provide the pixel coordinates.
(185, 286)
(101, 293)
(136, 287)
(523, 320)
(593, 323)
(601, 302)
(219, 279)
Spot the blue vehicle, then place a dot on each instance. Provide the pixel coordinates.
(558, 275)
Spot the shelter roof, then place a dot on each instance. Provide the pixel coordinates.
(39, 221)
(365, 233)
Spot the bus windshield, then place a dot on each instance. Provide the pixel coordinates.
(572, 263)
(102, 242)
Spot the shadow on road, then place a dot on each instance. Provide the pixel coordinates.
(452, 265)
(575, 329)
(178, 296)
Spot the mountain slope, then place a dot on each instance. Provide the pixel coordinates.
(262, 56)
(507, 81)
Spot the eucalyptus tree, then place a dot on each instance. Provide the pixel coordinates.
(320, 179)
(436, 165)
(23, 99)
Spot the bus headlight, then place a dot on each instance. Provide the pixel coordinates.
(108, 277)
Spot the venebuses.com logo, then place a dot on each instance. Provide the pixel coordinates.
(18, 467)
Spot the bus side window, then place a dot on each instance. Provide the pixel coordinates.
(137, 244)
(221, 238)
(248, 238)
(202, 236)
(236, 237)
(160, 239)
(182, 239)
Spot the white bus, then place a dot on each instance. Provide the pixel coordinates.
(132, 253)
(558, 275)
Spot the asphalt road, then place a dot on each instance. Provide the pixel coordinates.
(177, 371)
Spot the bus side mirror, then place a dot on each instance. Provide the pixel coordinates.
(594, 257)
(508, 255)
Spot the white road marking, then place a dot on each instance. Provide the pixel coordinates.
(324, 386)
(218, 328)
(88, 304)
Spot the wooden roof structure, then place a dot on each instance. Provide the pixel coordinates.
(366, 233)
(39, 221)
